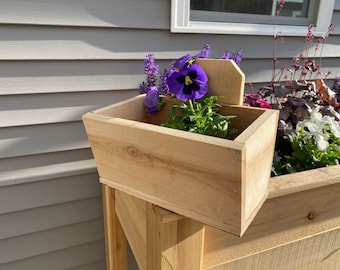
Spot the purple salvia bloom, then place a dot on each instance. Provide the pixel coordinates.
(143, 88)
(227, 55)
(152, 100)
(163, 88)
(238, 57)
(191, 83)
(151, 70)
(205, 52)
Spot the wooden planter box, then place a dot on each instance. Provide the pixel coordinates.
(298, 227)
(219, 182)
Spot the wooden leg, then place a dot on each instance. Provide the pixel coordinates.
(190, 245)
(161, 238)
(176, 244)
(115, 240)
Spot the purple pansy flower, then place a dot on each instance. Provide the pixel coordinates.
(152, 100)
(190, 83)
(183, 62)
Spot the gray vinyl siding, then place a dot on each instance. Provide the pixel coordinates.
(58, 60)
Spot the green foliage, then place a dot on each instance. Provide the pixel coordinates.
(200, 116)
(306, 154)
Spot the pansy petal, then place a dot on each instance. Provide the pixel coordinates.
(152, 100)
(321, 142)
(188, 84)
(183, 62)
(175, 82)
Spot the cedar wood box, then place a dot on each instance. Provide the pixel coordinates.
(219, 182)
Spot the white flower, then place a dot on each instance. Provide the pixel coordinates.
(333, 125)
(321, 141)
(315, 126)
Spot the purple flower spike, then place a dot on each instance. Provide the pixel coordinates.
(152, 100)
(205, 52)
(188, 84)
(238, 57)
(227, 55)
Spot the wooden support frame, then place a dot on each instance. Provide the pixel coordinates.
(115, 240)
(294, 222)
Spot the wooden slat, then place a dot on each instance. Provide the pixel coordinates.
(318, 252)
(131, 212)
(88, 256)
(190, 247)
(115, 239)
(48, 217)
(12, 249)
(283, 219)
(43, 193)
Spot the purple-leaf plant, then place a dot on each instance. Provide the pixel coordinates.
(295, 90)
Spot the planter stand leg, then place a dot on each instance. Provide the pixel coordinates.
(115, 240)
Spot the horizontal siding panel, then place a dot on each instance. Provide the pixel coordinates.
(53, 216)
(15, 164)
(260, 70)
(337, 5)
(19, 110)
(50, 192)
(18, 141)
(53, 171)
(18, 248)
(64, 43)
(29, 77)
(100, 265)
(336, 21)
(67, 84)
(90, 256)
(99, 13)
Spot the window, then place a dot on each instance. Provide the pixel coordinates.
(250, 17)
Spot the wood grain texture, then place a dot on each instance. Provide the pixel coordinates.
(283, 219)
(115, 240)
(131, 213)
(317, 252)
(293, 228)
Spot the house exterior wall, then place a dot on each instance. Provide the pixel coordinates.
(58, 60)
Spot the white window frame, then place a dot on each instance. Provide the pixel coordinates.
(180, 23)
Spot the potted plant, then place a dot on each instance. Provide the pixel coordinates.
(219, 181)
(308, 134)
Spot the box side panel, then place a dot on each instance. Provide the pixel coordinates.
(226, 79)
(245, 116)
(259, 152)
